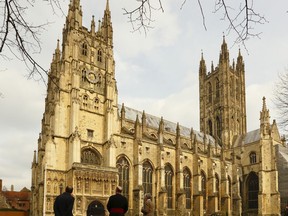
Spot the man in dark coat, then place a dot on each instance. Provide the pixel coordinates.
(63, 204)
(117, 204)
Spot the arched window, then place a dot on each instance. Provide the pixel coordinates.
(84, 79)
(89, 156)
(203, 189)
(217, 87)
(218, 127)
(96, 103)
(252, 157)
(217, 190)
(210, 127)
(231, 86)
(253, 189)
(169, 185)
(147, 174)
(84, 49)
(187, 187)
(99, 55)
(210, 93)
(123, 172)
(85, 101)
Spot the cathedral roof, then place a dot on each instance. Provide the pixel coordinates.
(153, 121)
(250, 137)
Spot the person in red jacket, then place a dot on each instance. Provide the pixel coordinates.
(117, 204)
(63, 204)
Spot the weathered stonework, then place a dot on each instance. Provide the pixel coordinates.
(91, 142)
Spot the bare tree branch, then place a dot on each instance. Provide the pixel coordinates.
(20, 38)
(242, 22)
(281, 100)
(141, 16)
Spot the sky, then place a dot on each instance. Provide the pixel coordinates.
(156, 72)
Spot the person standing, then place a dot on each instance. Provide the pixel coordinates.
(148, 209)
(117, 204)
(63, 204)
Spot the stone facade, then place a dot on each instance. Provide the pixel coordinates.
(91, 142)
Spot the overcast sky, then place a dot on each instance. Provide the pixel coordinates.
(156, 72)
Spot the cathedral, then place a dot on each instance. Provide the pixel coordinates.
(92, 143)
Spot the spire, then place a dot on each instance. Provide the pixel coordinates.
(74, 18)
(178, 130)
(99, 25)
(161, 126)
(144, 124)
(107, 6)
(202, 67)
(34, 159)
(240, 63)
(224, 44)
(123, 111)
(107, 25)
(138, 132)
(264, 118)
(224, 54)
(93, 25)
(57, 51)
(212, 67)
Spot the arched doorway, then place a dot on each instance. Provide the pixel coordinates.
(95, 208)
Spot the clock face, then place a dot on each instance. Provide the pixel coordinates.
(92, 77)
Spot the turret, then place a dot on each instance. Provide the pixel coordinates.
(264, 119)
(144, 123)
(202, 67)
(224, 54)
(74, 18)
(240, 63)
(106, 28)
(93, 26)
(122, 115)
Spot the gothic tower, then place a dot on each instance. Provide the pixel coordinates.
(222, 98)
(80, 115)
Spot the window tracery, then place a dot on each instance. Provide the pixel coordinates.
(89, 156)
(99, 55)
(123, 171)
(84, 49)
(85, 101)
(187, 187)
(147, 175)
(252, 157)
(253, 190)
(203, 189)
(169, 186)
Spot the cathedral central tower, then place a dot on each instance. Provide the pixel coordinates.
(222, 98)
